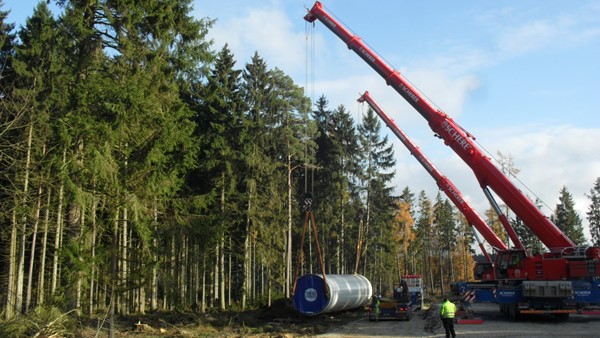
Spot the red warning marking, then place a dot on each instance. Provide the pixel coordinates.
(470, 321)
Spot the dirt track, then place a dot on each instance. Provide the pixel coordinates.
(494, 325)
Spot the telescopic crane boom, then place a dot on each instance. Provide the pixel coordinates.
(442, 181)
(453, 135)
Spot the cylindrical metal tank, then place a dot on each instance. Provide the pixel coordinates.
(346, 292)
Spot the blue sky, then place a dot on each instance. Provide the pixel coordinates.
(522, 76)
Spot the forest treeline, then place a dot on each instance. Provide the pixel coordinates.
(143, 169)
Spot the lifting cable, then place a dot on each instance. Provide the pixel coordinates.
(309, 216)
(361, 212)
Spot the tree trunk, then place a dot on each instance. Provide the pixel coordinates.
(77, 223)
(93, 271)
(154, 277)
(230, 274)
(11, 292)
(124, 295)
(36, 223)
(452, 277)
(114, 272)
(429, 270)
(182, 258)
(246, 277)
(216, 274)
(221, 255)
(203, 308)
(341, 253)
(21, 229)
(441, 271)
(366, 238)
(142, 282)
(59, 230)
(41, 294)
(288, 244)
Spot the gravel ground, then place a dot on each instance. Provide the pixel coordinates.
(495, 324)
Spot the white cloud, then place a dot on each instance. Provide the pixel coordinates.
(268, 31)
(560, 32)
(448, 92)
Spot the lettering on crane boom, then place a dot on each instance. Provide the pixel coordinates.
(462, 142)
(330, 22)
(367, 54)
(410, 93)
(454, 193)
(426, 163)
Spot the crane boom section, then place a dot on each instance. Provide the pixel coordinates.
(442, 181)
(455, 137)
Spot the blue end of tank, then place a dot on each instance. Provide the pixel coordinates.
(309, 298)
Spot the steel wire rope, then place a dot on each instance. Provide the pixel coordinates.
(307, 203)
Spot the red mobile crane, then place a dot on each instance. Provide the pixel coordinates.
(557, 282)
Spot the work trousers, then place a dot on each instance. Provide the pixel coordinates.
(449, 327)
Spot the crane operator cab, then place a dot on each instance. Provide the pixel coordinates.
(484, 271)
(510, 264)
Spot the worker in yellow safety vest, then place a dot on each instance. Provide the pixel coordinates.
(447, 311)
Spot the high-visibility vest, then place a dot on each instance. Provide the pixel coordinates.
(448, 309)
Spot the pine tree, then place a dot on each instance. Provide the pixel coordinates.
(593, 213)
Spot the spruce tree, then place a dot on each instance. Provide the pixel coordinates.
(445, 236)
(566, 218)
(425, 245)
(220, 129)
(260, 175)
(408, 197)
(593, 213)
(377, 157)
(7, 44)
(42, 79)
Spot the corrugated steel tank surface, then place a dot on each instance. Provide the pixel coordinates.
(346, 292)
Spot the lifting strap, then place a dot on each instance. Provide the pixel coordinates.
(360, 239)
(309, 217)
